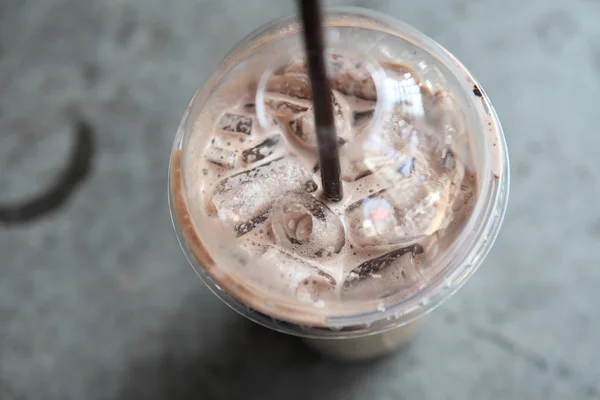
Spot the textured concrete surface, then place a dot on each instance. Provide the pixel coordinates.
(98, 302)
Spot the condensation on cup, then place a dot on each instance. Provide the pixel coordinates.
(425, 178)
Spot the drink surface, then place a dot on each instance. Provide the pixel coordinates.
(408, 176)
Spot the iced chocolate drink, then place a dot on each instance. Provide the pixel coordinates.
(424, 174)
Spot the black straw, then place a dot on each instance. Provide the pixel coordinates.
(329, 158)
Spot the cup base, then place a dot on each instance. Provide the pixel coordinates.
(367, 347)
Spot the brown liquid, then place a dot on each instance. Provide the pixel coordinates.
(303, 272)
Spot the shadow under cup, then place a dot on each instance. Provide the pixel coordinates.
(371, 327)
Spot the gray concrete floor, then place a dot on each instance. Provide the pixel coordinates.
(98, 302)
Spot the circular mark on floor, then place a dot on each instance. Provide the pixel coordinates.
(77, 168)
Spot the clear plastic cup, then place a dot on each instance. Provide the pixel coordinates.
(361, 323)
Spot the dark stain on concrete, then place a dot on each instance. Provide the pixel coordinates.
(79, 166)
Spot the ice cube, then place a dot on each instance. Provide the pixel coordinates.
(303, 127)
(261, 151)
(249, 108)
(395, 133)
(431, 76)
(236, 123)
(396, 72)
(361, 118)
(360, 159)
(398, 216)
(305, 226)
(348, 75)
(224, 158)
(376, 265)
(284, 109)
(448, 160)
(297, 66)
(385, 275)
(443, 113)
(352, 161)
(316, 289)
(243, 228)
(418, 107)
(412, 206)
(359, 105)
(412, 99)
(446, 123)
(351, 77)
(288, 274)
(292, 86)
(248, 194)
(463, 203)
